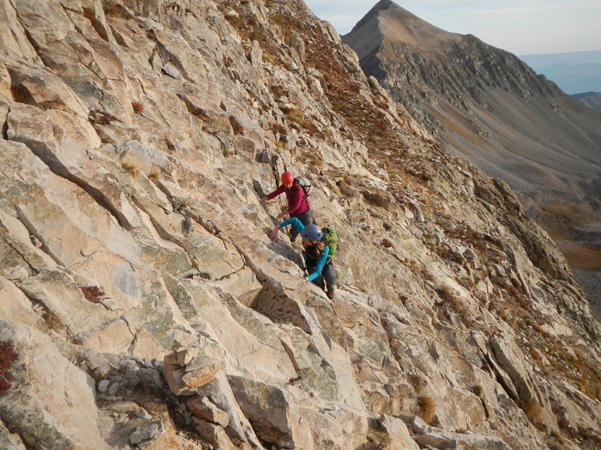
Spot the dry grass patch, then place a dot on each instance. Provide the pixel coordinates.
(297, 116)
(417, 382)
(131, 169)
(533, 412)
(116, 11)
(560, 220)
(427, 408)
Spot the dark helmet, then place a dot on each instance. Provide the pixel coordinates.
(287, 178)
(312, 233)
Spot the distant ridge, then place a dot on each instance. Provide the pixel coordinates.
(485, 103)
(492, 109)
(549, 59)
(592, 99)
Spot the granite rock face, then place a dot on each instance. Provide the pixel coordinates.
(144, 305)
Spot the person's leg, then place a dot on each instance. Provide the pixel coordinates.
(305, 218)
(330, 275)
(319, 281)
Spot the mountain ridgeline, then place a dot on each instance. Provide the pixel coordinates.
(592, 99)
(144, 306)
(489, 107)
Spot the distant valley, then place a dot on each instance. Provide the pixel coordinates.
(592, 99)
(574, 73)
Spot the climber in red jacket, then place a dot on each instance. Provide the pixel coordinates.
(298, 205)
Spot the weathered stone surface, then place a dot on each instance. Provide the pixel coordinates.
(10, 441)
(50, 401)
(444, 440)
(399, 434)
(274, 417)
(203, 407)
(141, 156)
(191, 365)
(16, 306)
(221, 394)
(200, 371)
(86, 320)
(214, 434)
(138, 140)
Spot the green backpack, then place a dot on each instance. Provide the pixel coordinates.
(330, 235)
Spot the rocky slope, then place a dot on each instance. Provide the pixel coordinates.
(144, 306)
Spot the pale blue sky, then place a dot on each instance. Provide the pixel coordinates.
(521, 27)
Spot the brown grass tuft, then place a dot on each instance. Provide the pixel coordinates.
(477, 390)
(417, 382)
(131, 169)
(533, 412)
(117, 11)
(427, 408)
(52, 322)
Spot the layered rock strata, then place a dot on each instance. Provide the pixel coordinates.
(144, 306)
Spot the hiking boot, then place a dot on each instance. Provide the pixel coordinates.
(330, 294)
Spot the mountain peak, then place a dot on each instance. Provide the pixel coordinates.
(382, 5)
(387, 21)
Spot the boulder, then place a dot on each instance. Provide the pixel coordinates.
(214, 434)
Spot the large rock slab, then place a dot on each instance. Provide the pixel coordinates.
(272, 413)
(67, 159)
(251, 348)
(222, 396)
(51, 402)
(86, 319)
(444, 440)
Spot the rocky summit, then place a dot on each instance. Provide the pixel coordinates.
(143, 305)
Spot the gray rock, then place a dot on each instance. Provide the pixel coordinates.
(145, 433)
(103, 386)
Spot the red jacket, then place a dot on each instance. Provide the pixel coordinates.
(297, 200)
